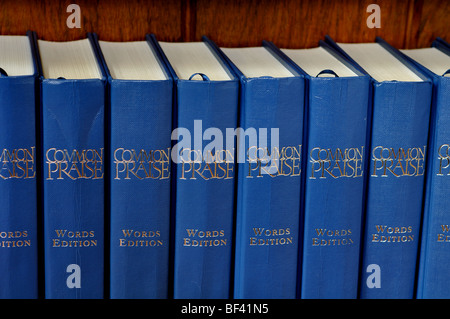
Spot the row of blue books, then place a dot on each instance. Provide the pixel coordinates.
(152, 169)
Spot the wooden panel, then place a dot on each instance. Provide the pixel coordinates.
(430, 19)
(112, 20)
(288, 23)
(296, 23)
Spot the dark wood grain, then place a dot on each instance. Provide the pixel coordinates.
(432, 20)
(288, 23)
(111, 20)
(299, 24)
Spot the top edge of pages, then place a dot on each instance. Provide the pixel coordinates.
(136, 60)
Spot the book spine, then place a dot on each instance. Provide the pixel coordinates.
(204, 204)
(140, 188)
(18, 188)
(269, 188)
(73, 196)
(401, 112)
(433, 278)
(439, 41)
(338, 112)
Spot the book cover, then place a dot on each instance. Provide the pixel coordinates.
(19, 168)
(140, 117)
(269, 175)
(433, 278)
(398, 148)
(336, 150)
(203, 174)
(73, 170)
(441, 41)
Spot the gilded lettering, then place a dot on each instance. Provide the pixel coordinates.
(17, 163)
(336, 163)
(78, 164)
(398, 162)
(275, 162)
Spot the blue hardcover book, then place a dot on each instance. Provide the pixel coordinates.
(18, 171)
(433, 277)
(73, 106)
(401, 100)
(337, 101)
(205, 110)
(441, 42)
(269, 155)
(140, 117)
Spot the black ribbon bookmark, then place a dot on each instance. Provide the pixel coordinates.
(3, 72)
(327, 71)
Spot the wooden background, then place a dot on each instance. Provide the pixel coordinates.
(288, 23)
